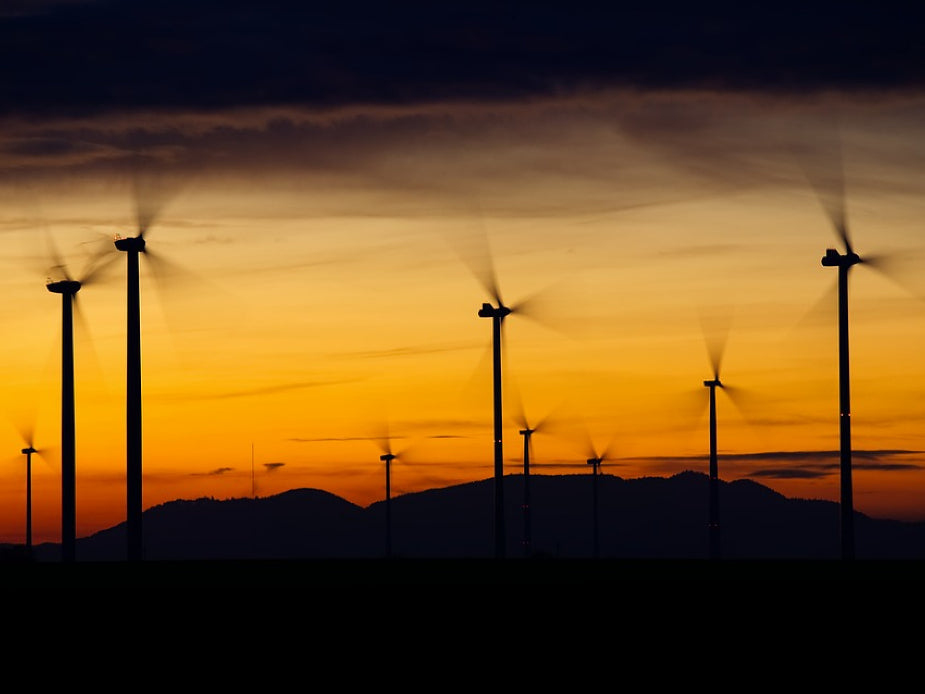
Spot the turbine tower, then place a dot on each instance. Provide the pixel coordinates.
(68, 289)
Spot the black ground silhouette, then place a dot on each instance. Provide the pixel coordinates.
(650, 527)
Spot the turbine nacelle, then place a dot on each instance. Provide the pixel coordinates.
(63, 287)
(713, 383)
(489, 311)
(833, 258)
(387, 457)
(29, 451)
(130, 243)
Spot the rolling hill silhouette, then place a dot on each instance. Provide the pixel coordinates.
(649, 518)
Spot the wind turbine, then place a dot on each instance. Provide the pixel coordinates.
(844, 262)
(478, 257)
(68, 287)
(595, 460)
(498, 313)
(527, 433)
(831, 192)
(715, 348)
(28, 451)
(387, 457)
(149, 197)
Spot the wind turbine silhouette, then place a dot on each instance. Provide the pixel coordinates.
(831, 194)
(149, 198)
(28, 451)
(497, 313)
(716, 345)
(387, 457)
(478, 257)
(68, 287)
(527, 431)
(595, 460)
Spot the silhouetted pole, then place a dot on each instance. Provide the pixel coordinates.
(596, 463)
(497, 315)
(133, 246)
(843, 262)
(528, 539)
(67, 289)
(714, 534)
(28, 453)
(387, 458)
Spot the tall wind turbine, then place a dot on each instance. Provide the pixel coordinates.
(830, 189)
(149, 197)
(829, 186)
(844, 262)
(477, 255)
(68, 287)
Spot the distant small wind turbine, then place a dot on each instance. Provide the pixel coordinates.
(715, 346)
(387, 457)
(595, 460)
(28, 451)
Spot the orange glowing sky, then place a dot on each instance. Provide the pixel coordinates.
(332, 262)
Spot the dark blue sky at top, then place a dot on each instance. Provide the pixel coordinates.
(77, 57)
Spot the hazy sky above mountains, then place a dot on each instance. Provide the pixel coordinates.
(327, 177)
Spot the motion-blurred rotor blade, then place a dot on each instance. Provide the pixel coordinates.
(902, 269)
(101, 256)
(58, 269)
(716, 334)
(86, 352)
(824, 169)
(474, 249)
(152, 189)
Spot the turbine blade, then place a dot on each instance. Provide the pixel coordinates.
(83, 335)
(903, 270)
(474, 249)
(715, 329)
(150, 191)
(101, 257)
(824, 169)
(823, 312)
(58, 269)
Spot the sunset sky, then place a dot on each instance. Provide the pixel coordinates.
(334, 185)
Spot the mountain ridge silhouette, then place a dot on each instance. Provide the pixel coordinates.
(645, 518)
